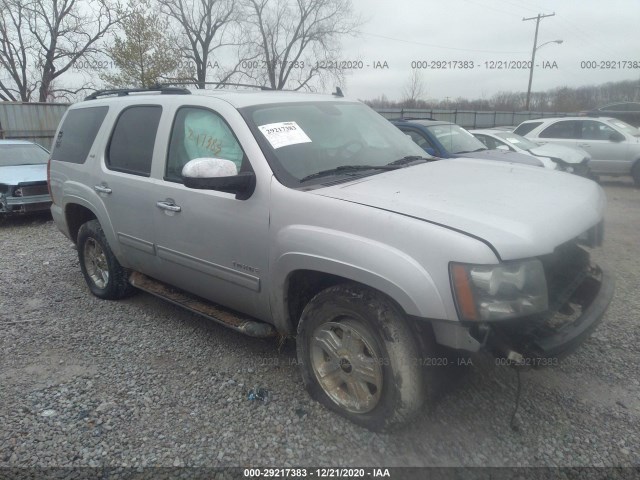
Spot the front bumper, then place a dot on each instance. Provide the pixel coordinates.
(558, 333)
(25, 197)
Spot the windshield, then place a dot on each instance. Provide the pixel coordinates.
(311, 137)
(517, 140)
(456, 139)
(626, 128)
(22, 154)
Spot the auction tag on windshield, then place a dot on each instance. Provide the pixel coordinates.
(282, 134)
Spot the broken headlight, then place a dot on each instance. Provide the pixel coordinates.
(498, 292)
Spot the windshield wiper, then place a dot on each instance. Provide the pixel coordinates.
(347, 168)
(410, 159)
(473, 151)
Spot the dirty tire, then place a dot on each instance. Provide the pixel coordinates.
(635, 173)
(346, 330)
(103, 273)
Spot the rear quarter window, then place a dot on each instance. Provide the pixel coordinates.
(525, 128)
(77, 134)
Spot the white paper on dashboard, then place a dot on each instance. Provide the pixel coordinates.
(282, 134)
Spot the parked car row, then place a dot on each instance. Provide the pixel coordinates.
(583, 146)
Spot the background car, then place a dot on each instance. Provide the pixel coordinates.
(626, 111)
(568, 159)
(614, 145)
(23, 177)
(448, 140)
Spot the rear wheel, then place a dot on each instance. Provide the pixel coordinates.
(358, 357)
(104, 275)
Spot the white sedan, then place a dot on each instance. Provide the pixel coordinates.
(568, 159)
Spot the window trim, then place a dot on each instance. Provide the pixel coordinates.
(107, 158)
(246, 164)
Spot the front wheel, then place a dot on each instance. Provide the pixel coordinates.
(104, 275)
(358, 357)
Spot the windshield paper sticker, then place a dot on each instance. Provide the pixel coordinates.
(282, 134)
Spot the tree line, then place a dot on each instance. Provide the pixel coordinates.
(559, 99)
(275, 43)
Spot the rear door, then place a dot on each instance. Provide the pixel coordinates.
(125, 187)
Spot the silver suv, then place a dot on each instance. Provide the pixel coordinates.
(614, 145)
(281, 213)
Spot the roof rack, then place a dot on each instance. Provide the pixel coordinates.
(416, 118)
(196, 83)
(123, 92)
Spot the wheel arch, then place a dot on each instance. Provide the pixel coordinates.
(307, 275)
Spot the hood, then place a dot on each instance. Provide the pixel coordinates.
(503, 156)
(520, 211)
(17, 174)
(566, 154)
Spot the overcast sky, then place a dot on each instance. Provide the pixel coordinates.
(403, 31)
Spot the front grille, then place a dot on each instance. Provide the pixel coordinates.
(32, 190)
(564, 269)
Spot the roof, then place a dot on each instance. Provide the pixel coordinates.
(237, 98)
(567, 118)
(421, 121)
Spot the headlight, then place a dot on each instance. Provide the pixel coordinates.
(496, 292)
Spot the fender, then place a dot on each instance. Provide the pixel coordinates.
(77, 193)
(388, 270)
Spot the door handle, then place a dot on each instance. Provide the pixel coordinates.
(102, 189)
(584, 145)
(167, 205)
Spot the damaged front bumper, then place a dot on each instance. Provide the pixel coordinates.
(25, 198)
(557, 333)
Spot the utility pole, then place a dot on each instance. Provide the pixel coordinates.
(533, 52)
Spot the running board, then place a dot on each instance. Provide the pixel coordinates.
(212, 311)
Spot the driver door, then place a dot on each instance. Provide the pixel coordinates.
(210, 243)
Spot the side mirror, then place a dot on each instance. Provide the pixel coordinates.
(503, 147)
(616, 137)
(220, 175)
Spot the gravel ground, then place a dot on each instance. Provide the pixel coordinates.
(86, 382)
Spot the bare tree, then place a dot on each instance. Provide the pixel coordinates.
(208, 29)
(15, 53)
(40, 40)
(414, 90)
(66, 31)
(298, 40)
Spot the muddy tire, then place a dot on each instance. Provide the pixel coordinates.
(105, 277)
(358, 357)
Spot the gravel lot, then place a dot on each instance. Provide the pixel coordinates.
(86, 382)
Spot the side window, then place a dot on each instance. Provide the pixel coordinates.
(592, 130)
(525, 128)
(77, 134)
(489, 142)
(418, 138)
(562, 129)
(130, 149)
(200, 133)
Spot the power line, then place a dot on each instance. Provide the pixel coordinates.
(436, 46)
